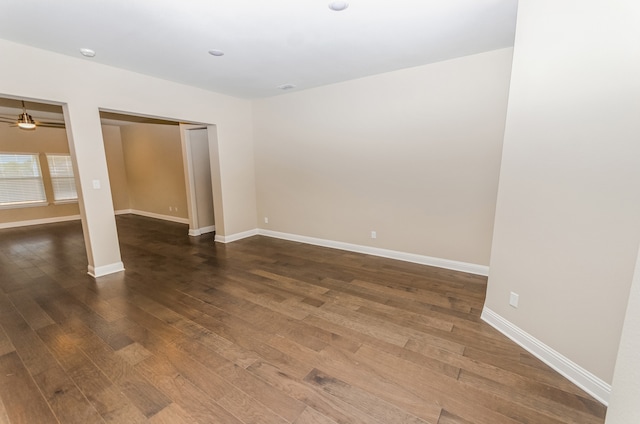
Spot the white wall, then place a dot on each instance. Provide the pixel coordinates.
(567, 222)
(412, 154)
(84, 86)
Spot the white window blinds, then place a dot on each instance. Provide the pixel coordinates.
(61, 172)
(20, 180)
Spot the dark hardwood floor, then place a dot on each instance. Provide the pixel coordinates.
(257, 331)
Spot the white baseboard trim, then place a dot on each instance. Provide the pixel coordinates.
(368, 250)
(200, 231)
(153, 215)
(52, 220)
(236, 236)
(579, 376)
(385, 253)
(105, 269)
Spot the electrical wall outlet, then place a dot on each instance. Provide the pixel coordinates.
(266, 220)
(513, 299)
(170, 208)
(373, 234)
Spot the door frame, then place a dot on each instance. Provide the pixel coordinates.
(194, 226)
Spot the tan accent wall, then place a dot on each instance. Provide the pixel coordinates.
(41, 141)
(413, 155)
(116, 166)
(155, 164)
(154, 169)
(567, 224)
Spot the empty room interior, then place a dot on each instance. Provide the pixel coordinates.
(320, 212)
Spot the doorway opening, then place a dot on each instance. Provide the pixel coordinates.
(37, 178)
(163, 169)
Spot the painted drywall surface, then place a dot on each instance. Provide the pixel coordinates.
(41, 141)
(413, 155)
(199, 143)
(155, 173)
(236, 177)
(624, 407)
(84, 132)
(216, 183)
(567, 227)
(85, 86)
(116, 166)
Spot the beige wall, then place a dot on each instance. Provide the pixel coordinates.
(624, 407)
(201, 168)
(412, 154)
(116, 166)
(42, 140)
(567, 223)
(154, 169)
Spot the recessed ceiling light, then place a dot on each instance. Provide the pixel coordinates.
(286, 86)
(87, 52)
(215, 52)
(338, 5)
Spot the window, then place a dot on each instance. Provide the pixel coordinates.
(61, 172)
(20, 180)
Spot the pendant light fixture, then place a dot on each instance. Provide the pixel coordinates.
(25, 121)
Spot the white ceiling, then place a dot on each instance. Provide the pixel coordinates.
(266, 43)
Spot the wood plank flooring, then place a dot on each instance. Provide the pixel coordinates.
(256, 331)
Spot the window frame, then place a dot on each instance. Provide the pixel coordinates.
(53, 179)
(39, 177)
